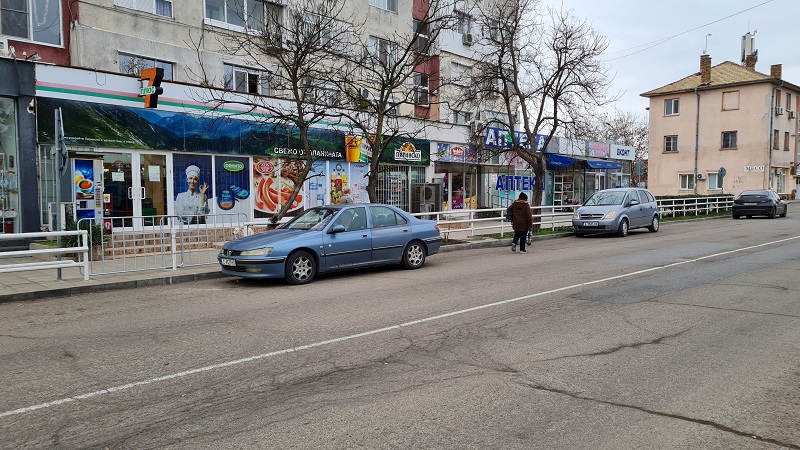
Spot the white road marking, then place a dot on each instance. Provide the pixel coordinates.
(366, 333)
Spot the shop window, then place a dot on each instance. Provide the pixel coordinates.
(34, 20)
(9, 183)
(133, 65)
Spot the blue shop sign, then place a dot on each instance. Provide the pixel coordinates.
(515, 183)
(501, 138)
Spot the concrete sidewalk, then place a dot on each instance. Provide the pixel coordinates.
(40, 284)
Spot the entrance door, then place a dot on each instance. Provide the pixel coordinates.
(136, 184)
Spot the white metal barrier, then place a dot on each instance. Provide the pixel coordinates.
(54, 264)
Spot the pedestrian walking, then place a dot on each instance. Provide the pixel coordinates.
(347, 196)
(521, 221)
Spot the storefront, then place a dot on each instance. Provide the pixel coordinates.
(128, 163)
(17, 173)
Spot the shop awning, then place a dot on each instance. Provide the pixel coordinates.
(603, 164)
(554, 160)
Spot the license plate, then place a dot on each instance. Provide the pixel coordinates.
(228, 262)
(751, 204)
(590, 224)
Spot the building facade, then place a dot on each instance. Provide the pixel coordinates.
(725, 129)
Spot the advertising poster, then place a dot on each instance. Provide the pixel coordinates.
(84, 179)
(357, 149)
(316, 186)
(193, 187)
(273, 182)
(338, 181)
(358, 182)
(233, 185)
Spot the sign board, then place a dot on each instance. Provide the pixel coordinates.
(753, 168)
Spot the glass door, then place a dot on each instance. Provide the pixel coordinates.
(118, 189)
(152, 192)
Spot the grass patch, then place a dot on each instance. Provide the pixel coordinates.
(698, 216)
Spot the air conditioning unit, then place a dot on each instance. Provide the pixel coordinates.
(466, 39)
(427, 198)
(701, 176)
(792, 114)
(778, 111)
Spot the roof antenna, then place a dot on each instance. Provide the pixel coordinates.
(705, 50)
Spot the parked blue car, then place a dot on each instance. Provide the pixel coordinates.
(330, 238)
(617, 211)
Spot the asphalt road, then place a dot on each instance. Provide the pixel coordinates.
(686, 338)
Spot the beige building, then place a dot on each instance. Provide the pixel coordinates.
(727, 116)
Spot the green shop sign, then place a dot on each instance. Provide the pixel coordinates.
(233, 166)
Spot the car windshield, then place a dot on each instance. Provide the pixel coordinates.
(313, 219)
(606, 198)
(753, 195)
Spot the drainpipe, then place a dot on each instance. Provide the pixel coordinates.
(696, 139)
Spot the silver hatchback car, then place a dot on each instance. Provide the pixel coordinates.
(616, 211)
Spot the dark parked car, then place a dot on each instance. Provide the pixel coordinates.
(762, 202)
(329, 238)
(616, 211)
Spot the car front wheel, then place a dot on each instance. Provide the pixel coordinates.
(773, 212)
(414, 255)
(654, 225)
(301, 268)
(622, 231)
(785, 211)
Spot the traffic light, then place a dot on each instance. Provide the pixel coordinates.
(153, 76)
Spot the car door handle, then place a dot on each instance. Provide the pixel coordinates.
(364, 235)
(405, 230)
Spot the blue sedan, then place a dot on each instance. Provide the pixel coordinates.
(330, 238)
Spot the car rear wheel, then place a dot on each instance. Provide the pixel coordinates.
(622, 231)
(736, 216)
(414, 255)
(654, 225)
(578, 234)
(773, 212)
(301, 268)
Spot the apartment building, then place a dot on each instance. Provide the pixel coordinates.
(724, 129)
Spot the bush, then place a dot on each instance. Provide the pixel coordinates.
(487, 214)
(95, 230)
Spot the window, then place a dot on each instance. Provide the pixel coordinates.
(461, 117)
(777, 98)
(786, 141)
(780, 179)
(242, 79)
(788, 101)
(461, 74)
(422, 37)
(133, 65)
(776, 137)
(318, 28)
(714, 181)
(320, 93)
(728, 139)
(383, 216)
(158, 7)
(383, 51)
(671, 107)
(421, 89)
(730, 101)
(687, 181)
(236, 13)
(463, 23)
(35, 20)
(389, 5)
(670, 143)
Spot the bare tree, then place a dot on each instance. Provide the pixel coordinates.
(387, 79)
(624, 128)
(295, 52)
(541, 67)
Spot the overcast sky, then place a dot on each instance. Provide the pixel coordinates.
(640, 63)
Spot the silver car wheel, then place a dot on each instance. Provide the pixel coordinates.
(654, 225)
(301, 268)
(414, 256)
(622, 231)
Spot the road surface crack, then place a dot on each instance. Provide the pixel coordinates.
(609, 351)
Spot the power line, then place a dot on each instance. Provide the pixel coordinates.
(663, 40)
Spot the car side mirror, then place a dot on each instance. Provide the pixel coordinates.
(337, 229)
(634, 202)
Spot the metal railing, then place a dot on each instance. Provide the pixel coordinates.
(162, 242)
(692, 206)
(82, 249)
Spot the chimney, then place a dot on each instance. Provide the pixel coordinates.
(705, 69)
(750, 62)
(775, 71)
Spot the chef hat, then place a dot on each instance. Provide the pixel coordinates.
(193, 171)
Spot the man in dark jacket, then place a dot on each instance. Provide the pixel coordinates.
(521, 222)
